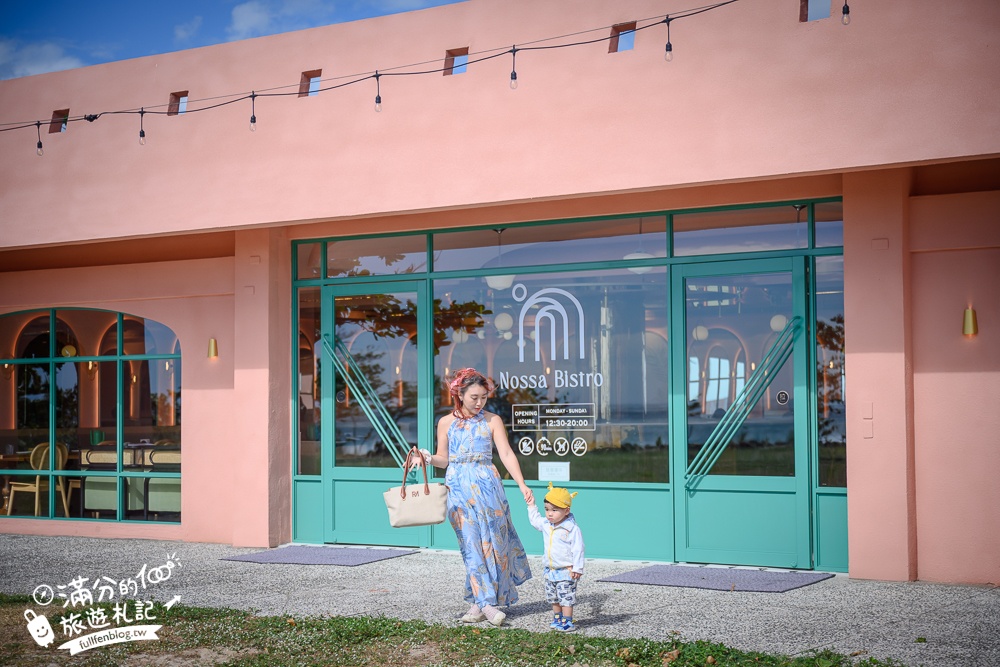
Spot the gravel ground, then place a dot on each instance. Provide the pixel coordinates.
(959, 625)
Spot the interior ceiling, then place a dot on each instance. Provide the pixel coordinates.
(132, 251)
(956, 177)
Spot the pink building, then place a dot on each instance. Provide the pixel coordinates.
(731, 288)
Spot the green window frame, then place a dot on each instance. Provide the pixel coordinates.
(95, 430)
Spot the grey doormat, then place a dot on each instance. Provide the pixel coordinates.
(719, 578)
(304, 555)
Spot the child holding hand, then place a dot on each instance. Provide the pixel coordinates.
(563, 554)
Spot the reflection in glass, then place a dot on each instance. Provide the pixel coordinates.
(33, 338)
(85, 332)
(743, 230)
(310, 260)
(600, 407)
(829, 224)
(31, 418)
(380, 333)
(74, 384)
(309, 382)
(68, 407)
(151, 403)
(732, 321)
(830, 369)
(377, 256)
(141, 336)
(594, 241)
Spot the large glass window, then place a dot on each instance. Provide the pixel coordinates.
(741, 230)
(830, 371)
(734, 326)
(309, 351)
(596, 241)
(580, 364)
(114, 452)
(376, 256)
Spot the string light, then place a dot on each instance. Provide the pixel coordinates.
(669, 55)
(846, 16)
(513, 68)
(353, 79)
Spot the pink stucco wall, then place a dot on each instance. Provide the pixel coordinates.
(956, 382)
(752, 93)
(235, 433)
(755, 107)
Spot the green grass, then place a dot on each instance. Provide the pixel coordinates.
(193, 635)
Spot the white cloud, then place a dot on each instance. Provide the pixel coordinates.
(18, 59)
(250, 19)
(185, 31)
(266, 17)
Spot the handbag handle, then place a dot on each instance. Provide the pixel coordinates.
(406, 469)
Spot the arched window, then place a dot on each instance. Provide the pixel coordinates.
(90, 416)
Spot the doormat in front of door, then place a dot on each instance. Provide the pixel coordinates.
(298, 554)
(719, 578)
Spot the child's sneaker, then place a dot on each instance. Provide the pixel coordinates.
(567, 625)
(557, 622)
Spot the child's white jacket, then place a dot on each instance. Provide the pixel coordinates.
(563, 543)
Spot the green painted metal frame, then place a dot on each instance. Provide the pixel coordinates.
(801, 257)
(352, 375)
(742, 404)
(52, 362)
(799, 485)
(382, 477)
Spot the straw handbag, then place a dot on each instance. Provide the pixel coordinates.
(416, 505)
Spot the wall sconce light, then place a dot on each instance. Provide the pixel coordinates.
(8, 370)
(213, 348)
(92, 369)
(970, 327)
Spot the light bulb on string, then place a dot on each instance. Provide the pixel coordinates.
(142, 132)
(846, 15)
(38, 149)
(378, 93)
(253, 111)
(513, 68)
(669, 54)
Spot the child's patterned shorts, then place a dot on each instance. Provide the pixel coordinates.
(561, 592)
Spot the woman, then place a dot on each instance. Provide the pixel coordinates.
(495, 562)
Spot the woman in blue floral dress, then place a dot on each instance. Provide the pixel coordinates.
(495, 562)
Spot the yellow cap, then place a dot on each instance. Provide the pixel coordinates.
(559, 497)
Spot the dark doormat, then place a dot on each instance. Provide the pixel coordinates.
(719, 578)
(304, 555)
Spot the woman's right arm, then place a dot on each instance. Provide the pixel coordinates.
(440, 458)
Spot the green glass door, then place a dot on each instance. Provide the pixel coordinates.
(371, 406)
(741, 470)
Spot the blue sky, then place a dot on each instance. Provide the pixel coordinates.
(38, 37)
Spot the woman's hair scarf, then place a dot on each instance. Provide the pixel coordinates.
(465, 378)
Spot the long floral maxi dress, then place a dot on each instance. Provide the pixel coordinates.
(495, 562)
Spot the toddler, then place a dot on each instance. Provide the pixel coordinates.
(563, 554)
